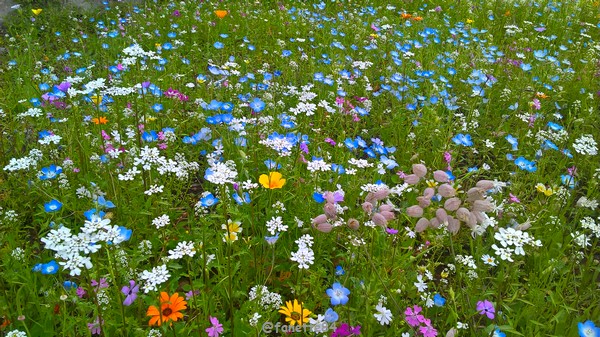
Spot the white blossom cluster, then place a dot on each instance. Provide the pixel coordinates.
(268, 300)
(318, 165)
(512, 242)
(25, 163)
(304, 256)
(221, 173)
(155, 277)
(586, 145)
(184, 248)
(276, 225)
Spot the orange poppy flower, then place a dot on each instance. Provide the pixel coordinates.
(170, 308)
(406, 16)
(418, 18)
(221, 13)
(271, 181)
(101, 120)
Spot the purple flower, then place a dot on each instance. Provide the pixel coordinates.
(486, 308)
(95, 328)
(412, 316)
(216, 329)
(130, 292)
(103, 284)
(391, 231)
(80, 292)
(345, 330)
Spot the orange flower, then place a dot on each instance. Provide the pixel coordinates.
(169, 309)
(507, 13)
(272, 181)
(541, 95)
(221, 13)
(418, 18)
(101, 120)
(406, 16)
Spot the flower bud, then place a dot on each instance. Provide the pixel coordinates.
(424, 201)
(411, 179)
(370, 198)
(414, 211)
(379, 220)
(429, 192)
(441, 176)
(381, 194)
(353, 224)
(319, 219)
(452, 204)
(419, 170)
(324, 227)
(446, 190)
(421, 225)
(482, 206)
(453, 225)
(328, 196)
(367, 207)
(386, 208)
(441, 215)
(475, 193)
(485, 184)
(387, 215)
(330, 210)
(434, 223)
(462, 214)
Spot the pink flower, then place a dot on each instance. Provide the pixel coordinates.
(514, 199)
(412, 316)
(428, 331)
(216, 329)
(330, 141)
(486, 308)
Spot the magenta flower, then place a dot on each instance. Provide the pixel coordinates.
(391, 231)
(130, 293)
(486, 308)
(99, 285)
(216, 329)
(345, 330)
(428, 331)
(80, 292)
(96, 327)
(513, 198)
(412, 316)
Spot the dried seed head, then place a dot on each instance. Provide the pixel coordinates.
(441, 176)
(452, 204)
(419, 170)
(421, 225)
(353, 224)
(446, 190)
(414, 211)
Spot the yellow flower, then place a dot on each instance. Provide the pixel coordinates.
(272, 181)
(36, 11)
(542, 189)
(233, 228)
(431, 183)
(96, 99)
(469, 21)
(295, 314)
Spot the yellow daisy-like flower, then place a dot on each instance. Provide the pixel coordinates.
(271, 181)
(295, 313)
(542, 189)
(232, 229)
(469, 21)
(431, 183)
(96, 99)
(36, 11)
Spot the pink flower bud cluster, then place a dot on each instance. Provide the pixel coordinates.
(379, 214)
(454, 210)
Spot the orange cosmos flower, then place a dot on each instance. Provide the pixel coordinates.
(541, 95)
(406, 16)
(272, 181)
(170, 308)
(101, 120)
(221, 13)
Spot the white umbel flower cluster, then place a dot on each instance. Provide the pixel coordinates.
(586, 145)
(304, 256)
(155, 277)
(512, 242)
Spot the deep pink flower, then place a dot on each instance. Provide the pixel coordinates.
(216, 329)
(428, 331)
(412, 315)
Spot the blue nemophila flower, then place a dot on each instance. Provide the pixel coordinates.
(271, 240)
(331, 316)
(208, 200)
(512, 140)
(150, 136)
(554, 126)
(272, 165)
(93, 214)
(257, 105)
(338, 294)
(339, 169)
(568, 181)
(102, 202)
(49, 268)
(389, 163)
(498, 333)
(464, 140)
(243, 199)
(52, 206)
(438, 300)
(218, 45)
(125, 233)
(588, 329)
(68, 285)
(157, 107)
(50, 172)
(339, 270)
(525, 164)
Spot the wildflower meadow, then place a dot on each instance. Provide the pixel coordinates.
(334, 168)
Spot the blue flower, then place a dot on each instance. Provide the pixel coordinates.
(389, 163)
(464, 140)
(338, 293)
(37, 267)
(568, 180)
(318, 197)
(49, 268)
(438, 300)
(512, 140)
(272, 239)
(588, 329)
(243, 199)
(331, 316)
(102, 202)
(554, 126)
(272, 165)
(339, 270)
(68, 285)
(498, 333)
(50, 172)
(52, 206)
(157, 107)
(149, 136)
(257, 105)
(339, 169)
(125, 233)
(218, 45)
(209, 200)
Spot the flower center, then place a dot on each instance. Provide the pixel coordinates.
(167, 312)
(296, 316)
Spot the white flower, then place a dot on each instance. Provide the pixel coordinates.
(383, 314)
(304, 257)
(276, 225)
(16, 333)
(153, 278)
(421, 286)
(183, 248)
(489, 260)
(586, 145)
(161, 221)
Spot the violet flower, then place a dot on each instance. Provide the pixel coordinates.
(130, 293)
